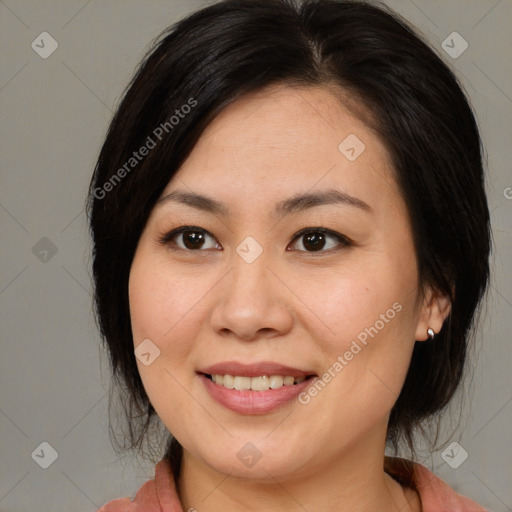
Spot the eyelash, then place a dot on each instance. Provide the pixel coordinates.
(166, 239)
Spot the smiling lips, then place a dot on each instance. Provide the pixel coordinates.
(256, 388)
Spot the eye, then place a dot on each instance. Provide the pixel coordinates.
(190, 238)
(317, 240)
(194, 238)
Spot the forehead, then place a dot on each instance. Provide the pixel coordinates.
(285, 139)
(284, 118)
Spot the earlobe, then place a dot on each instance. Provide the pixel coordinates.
(433, 313)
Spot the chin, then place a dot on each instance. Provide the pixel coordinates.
(257, 461)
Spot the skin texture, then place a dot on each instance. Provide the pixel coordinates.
(292, 305)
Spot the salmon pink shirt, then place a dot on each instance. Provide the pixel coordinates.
(159, 495)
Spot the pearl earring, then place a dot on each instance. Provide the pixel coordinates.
(430, 333)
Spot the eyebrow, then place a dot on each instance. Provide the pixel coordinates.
(296, 203)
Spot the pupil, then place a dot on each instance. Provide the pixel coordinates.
(314, 241)
(193, 239)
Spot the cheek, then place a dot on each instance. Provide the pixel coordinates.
(356, 302)
(370, 317)
(160, 302)
(160, 298)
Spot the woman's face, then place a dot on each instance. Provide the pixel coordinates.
(298, 262)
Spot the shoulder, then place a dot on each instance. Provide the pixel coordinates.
(435, 494)
(145, 497)
(157, 495)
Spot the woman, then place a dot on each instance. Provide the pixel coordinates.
(291, 241)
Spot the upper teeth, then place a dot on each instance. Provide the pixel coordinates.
(255, 383)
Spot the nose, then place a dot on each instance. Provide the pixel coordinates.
(252, 302)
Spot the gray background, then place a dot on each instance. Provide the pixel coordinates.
(53, 376)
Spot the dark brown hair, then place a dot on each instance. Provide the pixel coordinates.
(416, 104)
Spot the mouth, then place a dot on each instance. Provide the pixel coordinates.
(256, 388)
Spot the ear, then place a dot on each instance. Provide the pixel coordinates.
(434, 310)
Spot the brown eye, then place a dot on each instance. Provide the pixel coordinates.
(193, 239)
(314, 241)
(320, 240)
(190, 238)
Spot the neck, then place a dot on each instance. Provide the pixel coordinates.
(354, 481)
